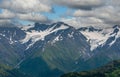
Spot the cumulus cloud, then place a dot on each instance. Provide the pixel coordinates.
(25, 6)
(6, 14)
(81, 4)
(106, 15)
(79, 12)
(83, 13)
(82, 22)
(33, 17)
(115, 2)
(5, 21)
(28, 10)
(92, 12)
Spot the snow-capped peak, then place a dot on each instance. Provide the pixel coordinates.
(98, 37)
(35, 35)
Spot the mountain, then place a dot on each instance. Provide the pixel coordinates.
(104, 44)
(57, 47)
(112, 69)
(54, 48)
(50, 50)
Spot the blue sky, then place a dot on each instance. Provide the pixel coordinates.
(58, 11)
(74, 12)
(0, 10)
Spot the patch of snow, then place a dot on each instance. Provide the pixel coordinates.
(71, 35)
(61, 38)
(97, 38)
(55, 40)
(35, 36)
(2, 34)
(29, 46)
(58, 38)
(117, 35)
(11, 41)
(14, 33)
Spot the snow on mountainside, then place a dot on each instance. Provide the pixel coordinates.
(115, 34)
(95, 36)
(37, 35)
(98, 37)
(10, 34)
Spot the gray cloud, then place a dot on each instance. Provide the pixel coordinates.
(87, 12)
(114, 2)
(8, 17)
(6, 14)
(107, 14)
(28, 10)
(83, 21)
(5, 21)
(104, 12)
(81, 4)
(33, 17)
(25, 6)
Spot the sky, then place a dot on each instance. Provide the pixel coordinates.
(74, 12)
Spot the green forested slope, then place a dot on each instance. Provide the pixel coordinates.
(112, 69)
(6, 71)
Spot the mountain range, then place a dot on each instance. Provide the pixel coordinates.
(50, 50)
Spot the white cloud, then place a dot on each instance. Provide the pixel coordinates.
(6, 14)
(81, 21)
(81, 4)
(102, 15)
(4, 21)
(28, 10)
(33, 17)
(82, 13)
(25, 6)
(87, 12)
(115, 2)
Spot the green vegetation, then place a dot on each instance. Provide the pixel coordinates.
(63, 55)
(55, 60)
(110, 70)
(37, 67)
(6, 71)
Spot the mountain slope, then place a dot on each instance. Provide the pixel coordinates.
(6, 71)
(112, 69)
(104, 43)
(62, 49)
(11, 51)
